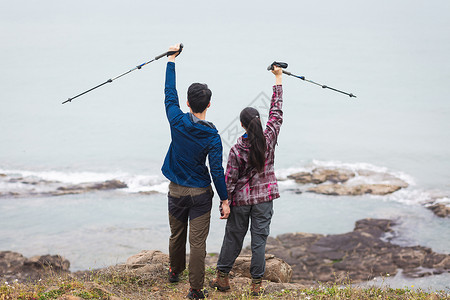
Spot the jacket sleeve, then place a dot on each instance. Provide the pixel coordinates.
(216, 168)
(171, 100)
(275, 116)
(232, 173)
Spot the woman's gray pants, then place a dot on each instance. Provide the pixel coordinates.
(235, 231)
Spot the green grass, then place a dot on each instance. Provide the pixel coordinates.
(101, 286)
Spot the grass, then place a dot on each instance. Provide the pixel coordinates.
(120, 286)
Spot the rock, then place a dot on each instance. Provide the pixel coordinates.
(84, 187)
(334, 181)
(359, 255)
(52, 262)
(148, 192)
(301, 177)
(440, 210)
(31, 186)
(321, 175)
(354, 190)
(10, 262)
(375, 227)
(146, 264)
(148, 257)
(14, 266)
(276, 269)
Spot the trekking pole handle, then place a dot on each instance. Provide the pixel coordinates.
(168, 53)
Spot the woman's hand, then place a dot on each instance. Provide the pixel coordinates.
(278, 72)
(224, 209)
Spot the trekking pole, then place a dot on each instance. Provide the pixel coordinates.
(285, 65)
(168, 53)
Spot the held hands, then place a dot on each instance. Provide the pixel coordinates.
(224, 209)
(173, 48)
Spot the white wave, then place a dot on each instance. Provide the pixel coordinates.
(409, 196)
(65, 177)
(282, 174)
(145, 183)
(383, 175)
(444, 200)
(45, 181)
(355, 167)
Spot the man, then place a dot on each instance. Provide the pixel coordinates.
(190, 193)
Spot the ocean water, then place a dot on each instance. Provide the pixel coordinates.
(393, 56)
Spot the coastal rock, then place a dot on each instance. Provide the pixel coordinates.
(321, 175)
(148, 263)
(26, 186)
(354, 190)
(145, 264)
(86, 187)
(440, 210)
(14, 266)
(276, 269)
(334, 181)
(147, 257)
(359, 255)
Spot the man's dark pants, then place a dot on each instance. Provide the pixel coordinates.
(235, 231)
(193, 205)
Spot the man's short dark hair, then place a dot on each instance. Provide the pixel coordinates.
(199, 97)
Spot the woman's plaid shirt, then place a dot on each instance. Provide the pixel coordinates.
(245, 185)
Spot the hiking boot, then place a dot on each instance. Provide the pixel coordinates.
(173, 277)
(221, 282)
(197, 294)
(256, 286)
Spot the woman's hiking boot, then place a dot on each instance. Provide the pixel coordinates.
(221, 282)
(256, 286)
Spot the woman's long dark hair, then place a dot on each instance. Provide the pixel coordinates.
(251, 121)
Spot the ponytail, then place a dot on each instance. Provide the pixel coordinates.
(252, 123)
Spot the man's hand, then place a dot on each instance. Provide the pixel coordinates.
(278, 74)
(173, 48)
(224, 209)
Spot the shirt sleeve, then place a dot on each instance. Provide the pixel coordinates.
(275, 115)
(232, 173)
(171, 96)
(216, 168)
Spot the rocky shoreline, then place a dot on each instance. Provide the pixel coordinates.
(326, 181)
(347, 182)
(302, 258)
(339, 182)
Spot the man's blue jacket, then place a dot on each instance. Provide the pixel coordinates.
(191, 143)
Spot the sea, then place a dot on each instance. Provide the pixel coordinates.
(393, 55)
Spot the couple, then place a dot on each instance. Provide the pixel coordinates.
(246, 190)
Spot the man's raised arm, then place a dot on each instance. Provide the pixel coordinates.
(171, 100)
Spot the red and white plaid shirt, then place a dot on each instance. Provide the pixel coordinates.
(245, 185)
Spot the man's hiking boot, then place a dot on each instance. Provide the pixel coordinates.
(256, 286)
(221, 282)
(197, 294)
(173, 277)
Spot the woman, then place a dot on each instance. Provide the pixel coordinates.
(251, 185)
